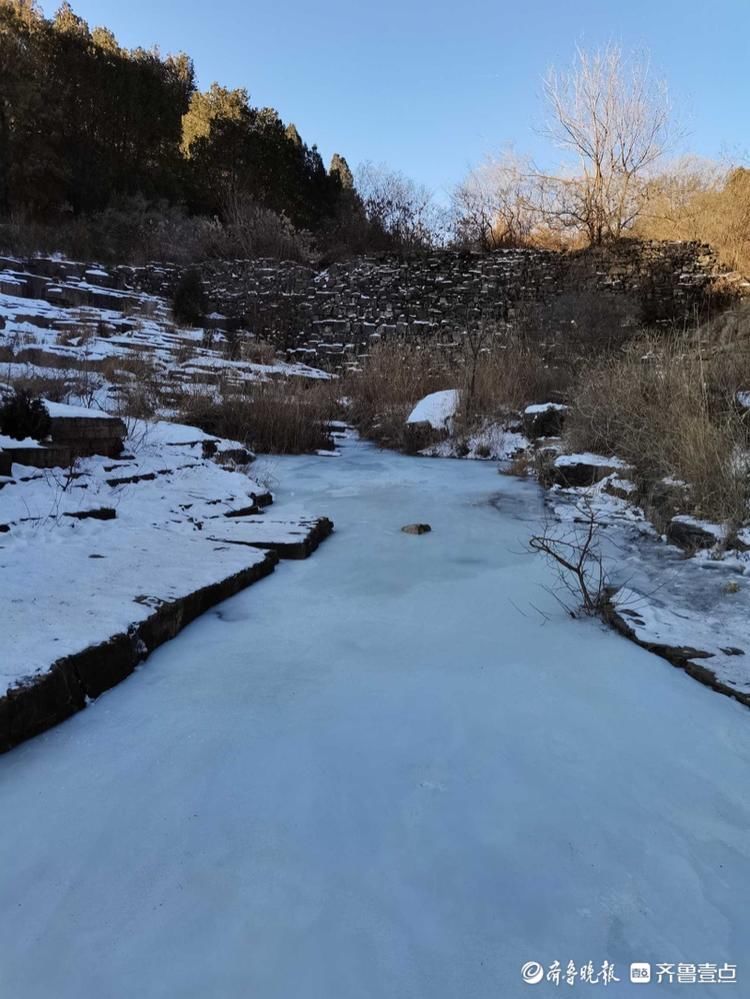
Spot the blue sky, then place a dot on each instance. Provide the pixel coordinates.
(431, 88)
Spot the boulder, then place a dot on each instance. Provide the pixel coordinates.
(691, 534)
(544, 419)
(418, 436)
(416, 528)
(664, 499)
(623, 489)
(580, 470)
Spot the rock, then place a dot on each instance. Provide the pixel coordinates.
(100, 513)
(416, 528)
(431, 420)
(73, 681)
(544, 420)
(579, 470)
(438, 409)
(418, 436)
(692, 535)
(663, 500)
(627, 621)
(622, 489)
(234, 456)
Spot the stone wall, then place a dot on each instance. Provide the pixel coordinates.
(333, 316)
(337, 314)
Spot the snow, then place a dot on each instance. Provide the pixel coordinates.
(139, 328)
(717, 530)
(86, 581)
(56, 409)
(743, 398)
(383, 773)
(701, 602)
(9, 443)
(617, 482)
(545, 407)
(491, 442)
(68, 583)
(587, 458)
(437, 409)
(666, 622)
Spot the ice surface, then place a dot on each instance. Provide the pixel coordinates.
(382, 774)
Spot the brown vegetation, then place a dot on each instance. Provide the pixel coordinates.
(284, 416)
(700, 201)
(668, 407)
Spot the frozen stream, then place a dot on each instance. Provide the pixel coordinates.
(381, 773)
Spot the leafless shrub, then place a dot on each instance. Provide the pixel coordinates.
(512, 373)
(574, 552)
(401, 210)
(495, 372)
(259, 232)
(57, 386)
(700, 200)
(140, 385)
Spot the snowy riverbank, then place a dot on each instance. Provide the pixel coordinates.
(689, 603)
(101, 559)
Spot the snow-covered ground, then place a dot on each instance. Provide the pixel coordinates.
(103, 352)
(68, 580)
(400, 770)
(700, 602)
(492, 441)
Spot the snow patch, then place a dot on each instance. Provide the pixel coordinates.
(437, 409)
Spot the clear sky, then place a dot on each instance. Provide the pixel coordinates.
(432, 87)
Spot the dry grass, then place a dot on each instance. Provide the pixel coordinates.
(258, 352)
(285, 416)
(668, 408)
(495, 375)
(394, 376)
(510, 374)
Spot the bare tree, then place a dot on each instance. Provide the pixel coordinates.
(404, 211)
(616, 121)
(493, 206)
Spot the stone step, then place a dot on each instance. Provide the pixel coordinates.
(293, 539)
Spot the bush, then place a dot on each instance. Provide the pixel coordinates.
(259, 232)
(495, 375)
(510, 373)
(665, 408)
(395, 375)
(24, 416)
(282, 417)
(189, 303)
